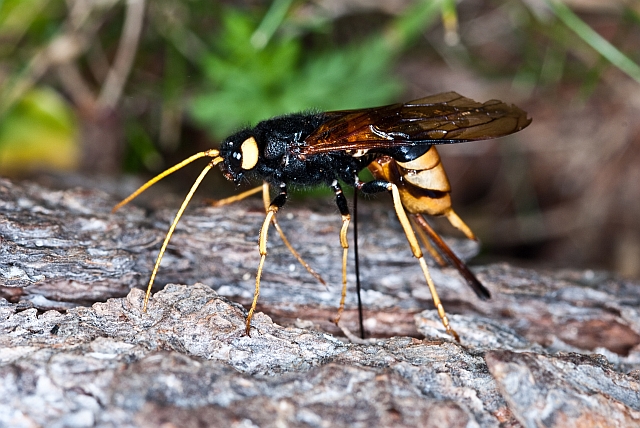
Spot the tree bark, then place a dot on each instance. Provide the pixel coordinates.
(552, 348)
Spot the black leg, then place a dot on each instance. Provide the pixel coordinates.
(357, 261)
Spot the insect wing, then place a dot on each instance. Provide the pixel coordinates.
(437, 119)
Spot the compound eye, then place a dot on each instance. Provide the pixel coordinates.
(249, 152)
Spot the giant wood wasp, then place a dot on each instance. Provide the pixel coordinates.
(395, 142)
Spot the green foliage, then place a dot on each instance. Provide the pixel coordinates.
(140, 151)
(40, 19)
(595, 40)
(39, 131)
(244, 84)
(230, 67)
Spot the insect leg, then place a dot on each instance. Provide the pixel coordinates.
(274, 221)
(357, 261)
(480, 290)
(425, 241)
(457, 222)
(277, 203)
(381, 185)
(234, 198)
(341, 202)
(265, 197)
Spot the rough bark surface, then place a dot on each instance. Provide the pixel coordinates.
(551, 348)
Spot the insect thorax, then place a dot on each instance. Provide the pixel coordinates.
(279, 140)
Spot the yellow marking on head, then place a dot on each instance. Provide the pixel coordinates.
(249, 151)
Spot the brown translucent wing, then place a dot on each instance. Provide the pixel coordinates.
(438, 119)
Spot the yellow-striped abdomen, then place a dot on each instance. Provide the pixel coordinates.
(423, 185)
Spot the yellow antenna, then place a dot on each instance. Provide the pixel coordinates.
(173, 227)
(215, 154)
(212, 153)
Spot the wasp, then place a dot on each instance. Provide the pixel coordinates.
(397, 143)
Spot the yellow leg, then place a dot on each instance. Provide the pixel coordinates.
(274, 221)
(234, 198)
(425, 241)
(417, 253)
(459, 224)
(424, 227)
(346, 219)
(264, 230)
(265, 197)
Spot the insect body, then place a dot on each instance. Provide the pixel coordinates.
(424, 189)
(396, 142)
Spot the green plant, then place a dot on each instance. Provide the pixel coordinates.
(244, 83)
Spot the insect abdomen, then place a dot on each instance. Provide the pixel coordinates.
(423, 185)
(426, 172)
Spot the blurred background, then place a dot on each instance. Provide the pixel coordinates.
(106, 87)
